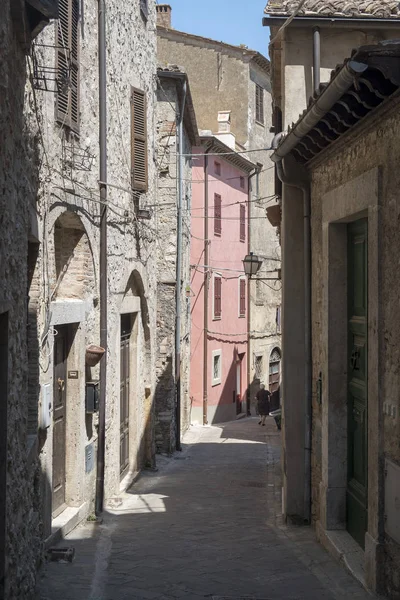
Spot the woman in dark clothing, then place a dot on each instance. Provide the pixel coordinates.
(262, 398)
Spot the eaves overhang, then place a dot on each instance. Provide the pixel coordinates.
(359, 87)
(332, 21)
(215, 146)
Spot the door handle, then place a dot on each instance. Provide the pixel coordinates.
(355, 359)
(61, 384)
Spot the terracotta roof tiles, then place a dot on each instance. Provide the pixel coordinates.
(379, 9)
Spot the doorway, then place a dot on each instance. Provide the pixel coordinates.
(125, 390)
(59, 419)
(357, 388)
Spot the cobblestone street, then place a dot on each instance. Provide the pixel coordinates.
(205, 525)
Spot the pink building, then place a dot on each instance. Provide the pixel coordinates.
(219, 229)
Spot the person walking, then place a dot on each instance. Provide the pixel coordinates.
(262, 398)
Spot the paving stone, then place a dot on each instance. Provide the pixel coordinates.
(205, 526)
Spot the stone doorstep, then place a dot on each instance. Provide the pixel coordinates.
(345, 550)
(62, 525)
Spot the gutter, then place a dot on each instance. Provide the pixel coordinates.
(343, 22)
(178, 287)
(205, 291)
(327, 99)
(99, 500)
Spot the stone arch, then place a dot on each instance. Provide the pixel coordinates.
(73, 274)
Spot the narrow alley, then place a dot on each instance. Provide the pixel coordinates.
(207, 524)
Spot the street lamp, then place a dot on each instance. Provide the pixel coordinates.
(251, 264)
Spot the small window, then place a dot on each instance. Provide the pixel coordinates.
(242, 182)
(217, 300)
(242, 297)
(217, 215)
(242, 223)
(259, 104)
(139, 140)
(67, 60)
(216, 367)
(258, 367)
(217, 168)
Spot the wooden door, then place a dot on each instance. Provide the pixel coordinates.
(59, 419)
(126, 332)
(357, 483)
(238, 387)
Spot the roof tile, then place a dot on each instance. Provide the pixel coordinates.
(383, 9)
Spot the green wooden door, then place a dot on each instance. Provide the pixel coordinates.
(357, 483)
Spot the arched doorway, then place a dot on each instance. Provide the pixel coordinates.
(274, 370)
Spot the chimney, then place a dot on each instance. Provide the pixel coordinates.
(164, 15)
(224, 129)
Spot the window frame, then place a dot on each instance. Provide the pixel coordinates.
(217, 217)
(216, 380)
(217, 316)
(217, 168)
(242, 314)
(242, 223)
(260, 114)
(256, 357)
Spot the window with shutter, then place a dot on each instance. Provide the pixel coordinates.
(242, 223)
(259, 104)
(242, 297)
(67, 100)
(139, 140)
(217, 215)
(217, 297)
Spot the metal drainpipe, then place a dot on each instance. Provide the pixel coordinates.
(178, 290)
(305, 188)
(248, 394)
(206, 287)
(316, 58)
(103, 255)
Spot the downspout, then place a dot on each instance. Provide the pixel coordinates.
(206, 288)
(248, 393)
(103, 255)
(304, 186)
(316, 58)
(178, 290)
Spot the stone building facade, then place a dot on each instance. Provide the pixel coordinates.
(20, 473)
(173, 93)
(348, 169)
(340, 27)
(233, 83)
(50, 267)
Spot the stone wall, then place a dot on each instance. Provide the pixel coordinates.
(374, 147)
(165, 399)
(19, 169)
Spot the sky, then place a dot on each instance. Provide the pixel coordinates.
(231, 21)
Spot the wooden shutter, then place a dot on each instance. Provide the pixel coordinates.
(217, 297)
(259, 104)
(217, 214)
(242, 223)
(242, 291)
(67, 101)
(139, 140)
